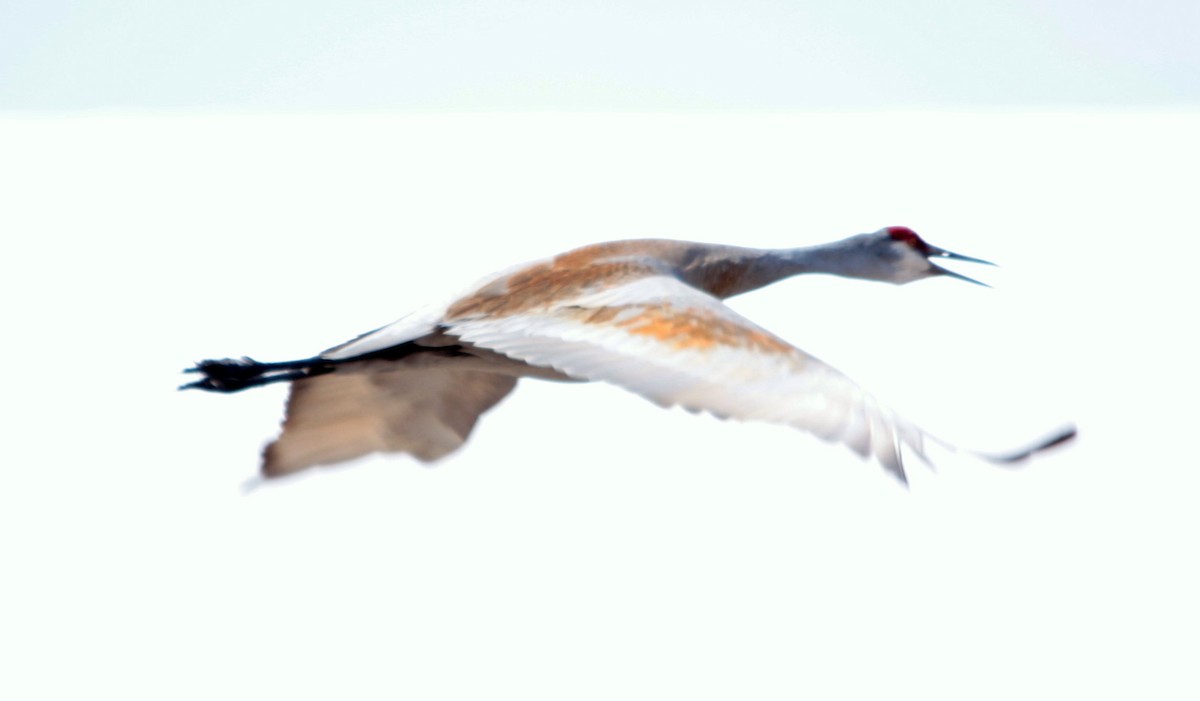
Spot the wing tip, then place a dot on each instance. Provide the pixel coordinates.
(1064, 434)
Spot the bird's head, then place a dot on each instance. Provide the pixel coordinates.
(897, 254)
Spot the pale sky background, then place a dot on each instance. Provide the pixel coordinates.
(614, 55)
(273, 178)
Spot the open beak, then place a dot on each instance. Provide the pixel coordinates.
(935, 252)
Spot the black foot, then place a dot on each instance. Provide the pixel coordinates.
(233, 375)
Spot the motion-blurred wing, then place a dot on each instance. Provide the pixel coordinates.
(677, 345)
(427, 412)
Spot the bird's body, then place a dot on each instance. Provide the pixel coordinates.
(645, 315)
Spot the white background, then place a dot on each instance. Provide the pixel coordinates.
(587, 544)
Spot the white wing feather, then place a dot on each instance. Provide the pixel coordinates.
(410, 327)
(600, 336)
(413, 325)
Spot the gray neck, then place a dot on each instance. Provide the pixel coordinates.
(773, 265)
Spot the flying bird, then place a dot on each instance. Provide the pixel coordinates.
(646, 315)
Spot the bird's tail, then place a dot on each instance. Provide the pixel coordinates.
(234, 375)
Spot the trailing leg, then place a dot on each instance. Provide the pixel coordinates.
(233, 375)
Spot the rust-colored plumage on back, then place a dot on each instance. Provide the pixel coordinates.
(544, 284)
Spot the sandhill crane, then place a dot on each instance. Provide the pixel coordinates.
(645, 315)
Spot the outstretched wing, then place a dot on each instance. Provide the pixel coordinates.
(676, 345)
(427, 412)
